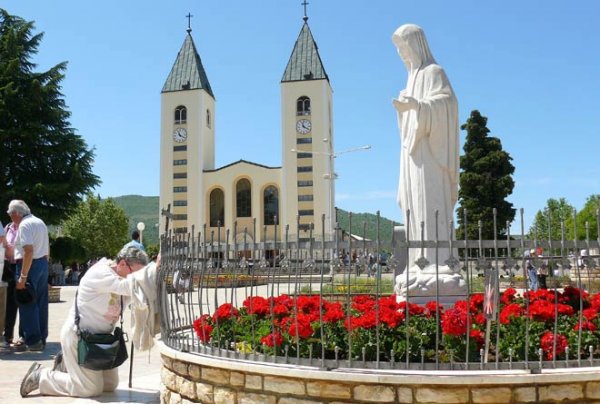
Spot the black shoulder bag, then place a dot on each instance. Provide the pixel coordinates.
(101, 351)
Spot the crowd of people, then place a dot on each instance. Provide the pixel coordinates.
(129, 280)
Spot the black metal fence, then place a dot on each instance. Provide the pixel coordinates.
(330, 302)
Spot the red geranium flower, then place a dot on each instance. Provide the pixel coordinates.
(365, 320)
(510, 311)
(476, 302)
(309, 306)
(273, 339)
(479, 319)
(333, 312)
(595, 301)
(540, 294)
(363, 303)
(281, 310)
(585, 326)
(547, 344)
(285, 300)
(541, 310)
(508, 296)
(224, 312)
(203, 328)
(572, 296)
(388, 303)
(565, 309)
(432, 307)
(478, 336)
(454, 322)
(257, 305)
(413, 309)
(590, 314)
(301, 326)
(392, 318)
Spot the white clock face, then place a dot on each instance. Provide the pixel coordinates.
(303, 126)
(180, 135)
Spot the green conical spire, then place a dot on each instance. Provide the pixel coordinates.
(305, 62)
(187, 72)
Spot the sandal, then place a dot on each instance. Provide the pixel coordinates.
(19, 345)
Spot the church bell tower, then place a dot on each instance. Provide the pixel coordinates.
(187, 138)
(307, 129)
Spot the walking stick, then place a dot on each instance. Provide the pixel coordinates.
(131, 365)
(167, 213)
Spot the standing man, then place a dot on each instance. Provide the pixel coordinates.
(135, 241)
(31, 252)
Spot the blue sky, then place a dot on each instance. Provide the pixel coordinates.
(531, 67)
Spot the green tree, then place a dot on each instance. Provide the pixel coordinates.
(67, 250)
(589, 215)
(43, 160)
(485, 181)
(549, 221)
(152, 250)
(99, 225)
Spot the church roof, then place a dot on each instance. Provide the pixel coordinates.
(305, 62)
(187, 72)
(240, 161)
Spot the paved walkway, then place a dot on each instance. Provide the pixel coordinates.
(14, 365)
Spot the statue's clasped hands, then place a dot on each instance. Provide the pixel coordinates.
(404, 102)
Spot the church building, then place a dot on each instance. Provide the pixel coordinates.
(298, 193)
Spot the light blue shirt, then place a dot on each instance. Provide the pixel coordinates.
(136, 244)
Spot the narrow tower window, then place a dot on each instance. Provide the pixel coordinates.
(217, 208)
(303, 106)
(180, 114)
(208, 120)
(243, 198)
(271, 202)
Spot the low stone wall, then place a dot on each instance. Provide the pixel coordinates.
(198, 378)
(53, 294)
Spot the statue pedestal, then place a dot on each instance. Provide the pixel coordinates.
(429, 284)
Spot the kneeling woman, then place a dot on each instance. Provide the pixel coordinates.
(101, 292)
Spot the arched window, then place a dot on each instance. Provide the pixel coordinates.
(303, 106)
(243, 192)
(217, 207)
(180, 114)
(208, 120)
(271, 201)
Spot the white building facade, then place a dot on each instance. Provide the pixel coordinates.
(255, 202)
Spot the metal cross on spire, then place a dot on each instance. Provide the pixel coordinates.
(189, 17)
(305, 3)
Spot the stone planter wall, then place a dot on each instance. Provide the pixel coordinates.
(196, 378)
(53, 294)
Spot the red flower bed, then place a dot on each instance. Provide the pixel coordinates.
(309, 325)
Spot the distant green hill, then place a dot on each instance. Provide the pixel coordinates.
(358, 225)
(141, 209)
(145, 209)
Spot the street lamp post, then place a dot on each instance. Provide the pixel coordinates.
(141, 226)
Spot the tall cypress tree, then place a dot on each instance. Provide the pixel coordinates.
(43, 161)
(485, 181)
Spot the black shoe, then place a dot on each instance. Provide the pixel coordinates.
(37, 347)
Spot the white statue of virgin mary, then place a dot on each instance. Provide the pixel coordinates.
(428, 121)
